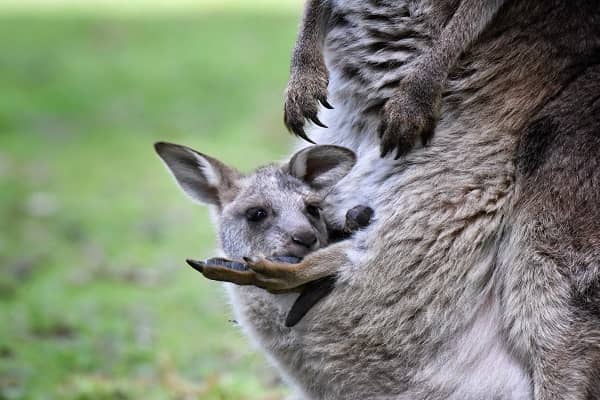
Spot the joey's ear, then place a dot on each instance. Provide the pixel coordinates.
(201, 177)
(322, 166)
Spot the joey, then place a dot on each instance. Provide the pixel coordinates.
(274, 212)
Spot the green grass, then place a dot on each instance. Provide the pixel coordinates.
(95, 299)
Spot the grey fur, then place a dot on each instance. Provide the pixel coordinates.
(282, 191)
(480, 277)
(412, 109)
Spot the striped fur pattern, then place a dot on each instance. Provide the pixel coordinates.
(479, 278)
(412, 95)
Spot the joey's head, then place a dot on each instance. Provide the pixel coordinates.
(274, 211)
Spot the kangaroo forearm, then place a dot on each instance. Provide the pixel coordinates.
(311, 37)
(467, 23)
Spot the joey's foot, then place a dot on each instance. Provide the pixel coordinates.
(225, 263)
(409, 116)
(272, 275)
(306, 89)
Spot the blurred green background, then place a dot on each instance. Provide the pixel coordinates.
(95, 299)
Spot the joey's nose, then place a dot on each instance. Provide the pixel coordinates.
(305, 238)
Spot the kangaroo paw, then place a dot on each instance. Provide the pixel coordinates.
(304, 92)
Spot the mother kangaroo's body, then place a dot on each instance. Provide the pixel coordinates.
(480, 278)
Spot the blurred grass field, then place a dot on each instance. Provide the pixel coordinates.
(95, 299)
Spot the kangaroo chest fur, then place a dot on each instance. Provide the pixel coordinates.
(414, 315)
(370, 46)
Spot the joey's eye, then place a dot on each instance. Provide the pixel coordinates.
(256, 214)
(313, 210)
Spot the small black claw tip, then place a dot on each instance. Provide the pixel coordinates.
(197, 265)
(384, 151)
(426, 138)
(303, 135)
(317, 122)
(326, 104)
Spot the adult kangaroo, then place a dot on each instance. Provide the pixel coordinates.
(480, 276)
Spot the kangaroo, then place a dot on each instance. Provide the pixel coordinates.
(413, 108)
(479, 278)
(274, 211)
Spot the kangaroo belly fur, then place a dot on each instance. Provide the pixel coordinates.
(416, 314)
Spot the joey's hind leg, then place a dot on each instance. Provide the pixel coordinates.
(275, 276)
(282, 276)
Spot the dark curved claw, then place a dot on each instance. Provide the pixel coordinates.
(426, 136)
(400, 150)
(294, 122)
(394, 139)
(387, 144)
(197, 265)
(299, 131)
(200, 266)
(317, 122)
(381, 129)
(325, 103)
